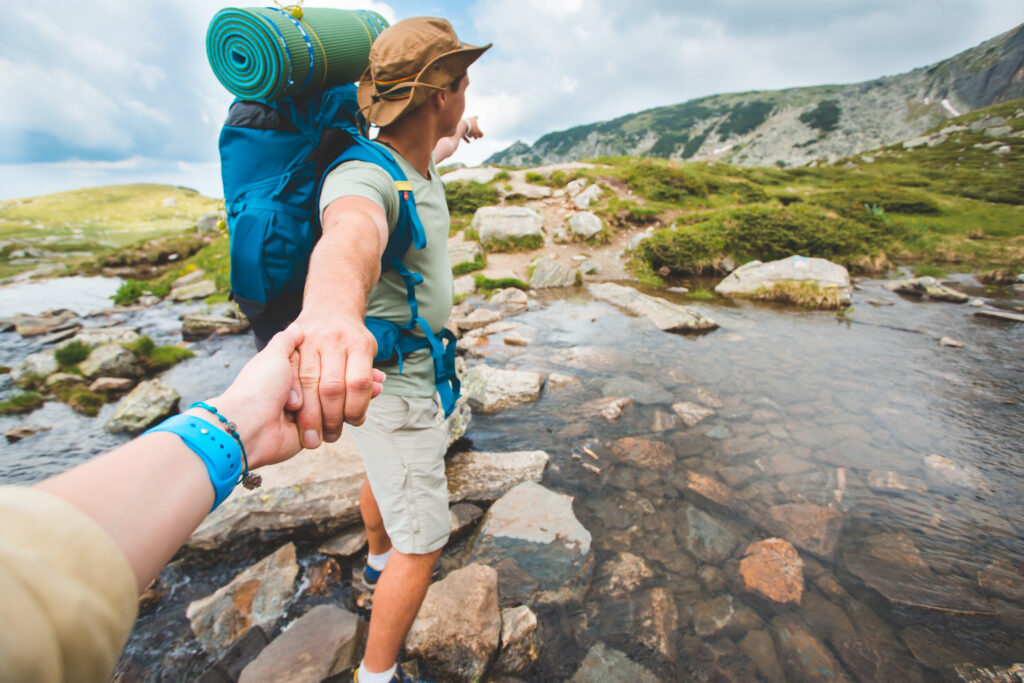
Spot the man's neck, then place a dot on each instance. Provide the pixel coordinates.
(408, 139)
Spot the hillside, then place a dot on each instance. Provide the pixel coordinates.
(797, 126)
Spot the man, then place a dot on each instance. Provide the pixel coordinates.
(414, 90)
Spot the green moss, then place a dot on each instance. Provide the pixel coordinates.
(514, 244)
(157, 358)
(72, 354)
(487, 285)
(21, 403)
(466, 196)
(643, 273)
(85, 402)
(806, 294)
(701, 295)
(926, 270)
(478, 263)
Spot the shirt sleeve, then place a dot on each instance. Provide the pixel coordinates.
(362, 179)
(69, 596)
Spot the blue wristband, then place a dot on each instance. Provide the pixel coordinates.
(219, 451)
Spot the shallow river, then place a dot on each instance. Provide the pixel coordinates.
(806, 408)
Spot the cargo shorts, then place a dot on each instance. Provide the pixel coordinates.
(403, 446)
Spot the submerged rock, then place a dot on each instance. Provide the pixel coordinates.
(44, 323)
(665, 315)
(481, 476)
(930, 288)
(621, 576)
(691, 413)
(644, 453)
(491, 390)
(787, 280)
(773, 569)
(603, 665)
(195, 326)
(758, 646)
(812, 528)
(706, 537)
(143, 407)
(803, 656)
(23, 431)
(917, 586)
(1002, 580)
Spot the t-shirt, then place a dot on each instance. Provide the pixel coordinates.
(67, 594)
(389, 300)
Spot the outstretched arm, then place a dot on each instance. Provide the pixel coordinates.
(467, 129)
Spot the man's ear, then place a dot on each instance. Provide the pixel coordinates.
(440, 97)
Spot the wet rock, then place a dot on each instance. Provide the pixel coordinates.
(1002, 580)
(557, 380)
(468, 253)
(63, 333)
(112, 385)
(317, 490)
(344, 544)
(23, 431)
(894, 548)
(821, 487)
(610, 409)
(510, 300)
(589, 195)
(585, 224)
(872, 660)
(1001, 315)
(951, 343)
(691, 413)
(930, 288)
(458, 627)
(196, 326)
(944, 472)
(547, 273)
(736, 476)
(714, 617)
(498, 223)
(665, 315)
(642, 393)
(481, 476)
(111, 360)
(918, 587)
(97, 336)
(229, 667)
(931, 652)
(894, 482)
(537, 528)
(322, 577)
(461, 517)
(706, 537)
(518, 646)
(644, 453)
(603, 665)
(457, 424)
(491, 390)
(756, 278)
(144, 406)
(826, 619)
(44, 323)
(319, 644)
(773, 569)
(688, 444)
(663, 422)
(481, 317)
(515, 586)
(621, 576)
(812, 528)
(804, 657)
(196, 290)
(970, 673)
(656, 621)
(758, 646)
(258, 596)
(706, 491)
(40, 364)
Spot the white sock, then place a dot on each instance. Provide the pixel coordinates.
(365, 676)
(378, 562)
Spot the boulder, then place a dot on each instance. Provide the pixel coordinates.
(812, 528)
(196, 326)
(456, 425)
(144, 406)
(491, 390)
(621, 576)
(478, 174)
(574, 187)
(665, 315)
(319, 644)
(691, 413)
(706, 537)
(97, 336)
(589, 195)
(44, 323)
(345, 544)
(928, 288)
(510, 300)
(196, 290)
(585, 224)
(773, 569)
(498, 223)
(803, 656)
(458, 627)
(258, 596)
(461, 517)
(756, 278)
(537, 528)
(644, 453)
(547, 273)
(23, 431)
(190, 278)
(39, 364)
(603, 665)
(481, 317)
(483, 476)
(518, 646)
(460, 253)
(111, 360)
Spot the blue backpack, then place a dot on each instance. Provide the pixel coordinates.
(274, 158)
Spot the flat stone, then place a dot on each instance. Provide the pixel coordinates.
(1002, 580)
(491, 390)
(755, 277)
(45, 323)
(510, 300)
(706, 537)
(319, 644)
(497, 223)
(812, 528)
(98, 336)
(610, 408)
(644, 453)
(918, 588)
(773, 569)
(514, 339)
(461, 517)
(111, 360)
(464, 252)
(39, 364)
(464, 285)
(481, 317)
(527, 190)
(197, 290)
(113, 385)
(24, 431)
(870, 659)
(585, 224)
(192, 278)
(345, 544)
(604, 665)
(621, 576)
(665, 315)
(944, 472)
(1001, 315)
(895, 548)
(930, 288)
(144, 406)
(196, 326)
(547, 273)
(706, 490)
(758, 646)
(804, 657)
(518, 646)
(486, 476)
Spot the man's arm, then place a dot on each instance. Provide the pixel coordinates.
(336, 355)
(445, 147)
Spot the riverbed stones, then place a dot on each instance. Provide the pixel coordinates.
(756, 278)
(24, 431)
(722, 616)
(196, 326)
(112, 385)
(510, 300)
(486, 476)
(39, 364)
(691, 413)
(319, 644)
(665, 315)
(491, 390)
(604, 664)
(758, 646)
(537, 528)
(97, 336)
(621, 576)
(886, 481)
(706, 491)
(644, 453)
(258, 596)
(772, 568)
(345, 544)
(707, 537)
(44, 323)
(111, 360)
(1002, 580)
(478, 319)
(462, 517)
(547, 273)
(458, 627)
(942, 471)
(584, 224)
(929, 288)
(804, 657)
(500, 223)
(809, 527)
(918, 587)
(144, 406)
(518, 643)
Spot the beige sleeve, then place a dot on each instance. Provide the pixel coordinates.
(68, 594)
(362, 179)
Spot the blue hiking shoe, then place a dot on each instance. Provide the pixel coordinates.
(399, 677)
(370, 576)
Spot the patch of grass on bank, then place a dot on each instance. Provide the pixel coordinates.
(466, 196)
(486, 285)
(701, 295)
(69, 356)
(806, 294)
(84, 401)
(926, 270)
(514, 244)
(157, 358)
(24, 402)
(478, 263)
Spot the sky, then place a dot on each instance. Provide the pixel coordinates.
(115, 91)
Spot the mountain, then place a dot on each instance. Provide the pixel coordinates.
(797, 126)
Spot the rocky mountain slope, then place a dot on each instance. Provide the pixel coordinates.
(798, 126)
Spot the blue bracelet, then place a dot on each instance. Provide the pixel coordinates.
(218, 450)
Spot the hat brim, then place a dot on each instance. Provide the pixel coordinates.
(439, 72)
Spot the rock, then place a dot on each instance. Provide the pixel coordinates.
(642, 393)
(585, 224)
(499, 223)
(515, 586)
(706, 537)
(1001, 315)
(665, 315)
(644, 453)
(320, 578)
(198, 290)
(656, 621)
(756, 279)
(586, 197)
(207, 223)
(527, 190)
(894, 482)
(481, 317)
(190, 278)
(144, 406)
(23, 431)
(98, 336)
(804, 657)
(111, 360)
(456, 425)
(461, 517)
(970, 673)
(663, 422)
(719, 617)
(196, 326)
(773, 569)
(62, 379)
(691, 413)
(870, 659)
(518, 649)
(590, 268)
(758, 646)
(44, 323)
(895, 548)
(546, 274)
(320, 643)
(1002, 580)
(944, 472)
(229, 666)
(610, 409)
(345, 544)
(258, 596)
(112, 385)
(491, 390)
(458, 626)
(39, 364)
(460, 253)
(950, 342)
(928, 287)
(169, 201)
(604, 665)
(478, 174)
(621, 576)
(483, 476)
(513, 339)
(706, 490)
(812, 528)
(317, 490)
(69, 330)
(917, 587)
(510, 300)
(464, 285)
(537, 528)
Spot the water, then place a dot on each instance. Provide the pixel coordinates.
(79, 294)
(808, 408)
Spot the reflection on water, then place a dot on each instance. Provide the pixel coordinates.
(79, 294)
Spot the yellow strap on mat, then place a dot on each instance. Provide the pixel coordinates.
(403, 186)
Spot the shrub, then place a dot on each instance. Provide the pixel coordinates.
(664, 183)
(129, 292)
(701, 295)
(532, 177)
(744, 118)
(71, 355)
(488, 285)
(500, 175)
(512, 244)
(824, 117)
(466, 196)
(876, 202)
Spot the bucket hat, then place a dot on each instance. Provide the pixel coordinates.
(408, 62)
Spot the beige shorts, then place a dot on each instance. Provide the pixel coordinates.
(403, 447)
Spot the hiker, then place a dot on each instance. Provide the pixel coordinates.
(78, 548)
(414, 91)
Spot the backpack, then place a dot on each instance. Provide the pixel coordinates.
(274, 158)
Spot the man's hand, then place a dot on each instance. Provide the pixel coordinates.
(473, 130)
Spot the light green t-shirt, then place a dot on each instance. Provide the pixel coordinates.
(388, 300)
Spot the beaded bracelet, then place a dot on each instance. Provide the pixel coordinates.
(250, 480)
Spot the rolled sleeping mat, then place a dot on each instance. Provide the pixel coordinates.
(267, 53)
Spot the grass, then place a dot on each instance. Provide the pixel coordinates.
(24, 402)
(69, 356)
(926, 270)
(85, 402)
(701, 295)
(157, 358)
(514, 244)
(805, 294)
(466, 196)
(487, 285)
(478, 263)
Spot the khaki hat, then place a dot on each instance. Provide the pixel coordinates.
(408, 62)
